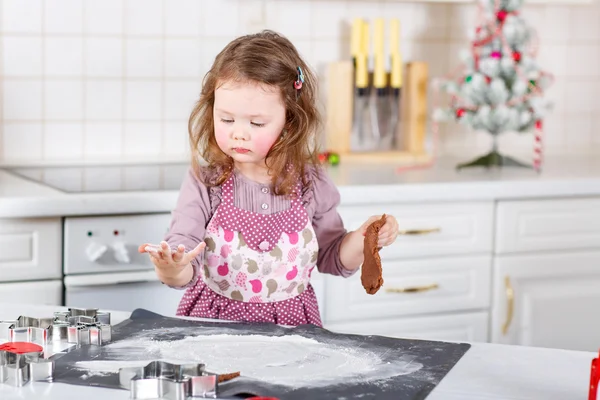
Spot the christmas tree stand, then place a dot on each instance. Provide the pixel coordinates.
(493, 160)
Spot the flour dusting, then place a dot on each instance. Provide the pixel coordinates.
(290, 360)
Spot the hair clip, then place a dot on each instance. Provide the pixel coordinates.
(299, 80)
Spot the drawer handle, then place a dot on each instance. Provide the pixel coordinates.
(510, 297)
(415, 289)
(413, 232)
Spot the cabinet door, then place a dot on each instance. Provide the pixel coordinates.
(412, 287)
(38, 293)
(539, 225)
(431, 229)
(470, 327)
(547, 300)
(30, 249)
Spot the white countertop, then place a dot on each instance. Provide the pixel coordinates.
(358, 184)
(486, 371)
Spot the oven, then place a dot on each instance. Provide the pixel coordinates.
(103, 269)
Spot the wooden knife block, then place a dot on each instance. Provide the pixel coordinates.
(410, 137)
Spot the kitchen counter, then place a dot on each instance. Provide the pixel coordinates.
(487, 371)
(358, 184)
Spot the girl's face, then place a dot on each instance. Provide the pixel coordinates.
(249, 119)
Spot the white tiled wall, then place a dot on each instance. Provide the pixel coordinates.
(86, 79)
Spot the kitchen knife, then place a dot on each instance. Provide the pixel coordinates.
(361, 100)
(379, 104)
(395, 83)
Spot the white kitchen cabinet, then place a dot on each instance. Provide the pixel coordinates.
(431, 229)
(48, 292)
(470, 327)
(544, 284)
(412, 287)
(30, 249)
(424, 295)
(547, 299)
(548, 225)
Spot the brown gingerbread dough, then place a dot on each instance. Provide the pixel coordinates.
(371, 269)
(227, 377)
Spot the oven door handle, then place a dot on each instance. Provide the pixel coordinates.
(108, 279)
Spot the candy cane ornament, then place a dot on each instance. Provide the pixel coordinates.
(538, 146)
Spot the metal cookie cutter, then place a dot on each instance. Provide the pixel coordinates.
(27, 329)
(99, 316)
(78, 325)
(21, 362)
(161, 379)
(83, 326)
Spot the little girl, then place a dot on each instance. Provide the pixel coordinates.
(259, 215)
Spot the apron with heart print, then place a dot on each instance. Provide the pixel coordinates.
(258, 258)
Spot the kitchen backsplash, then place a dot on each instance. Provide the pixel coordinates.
(89, 79)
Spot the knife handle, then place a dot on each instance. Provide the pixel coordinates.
(396, 75)
(394, 36)
(395, 55)
(362, 58)
(379, 74)
(356, 37)
(364, 42)
(362, 71)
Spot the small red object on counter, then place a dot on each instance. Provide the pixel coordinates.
(594, 378)
(323, 157)
(21, 347)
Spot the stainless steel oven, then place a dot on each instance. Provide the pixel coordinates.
(103, 268)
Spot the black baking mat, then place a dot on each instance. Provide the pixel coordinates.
(436, 358)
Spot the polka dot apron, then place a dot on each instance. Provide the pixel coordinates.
(258, 258)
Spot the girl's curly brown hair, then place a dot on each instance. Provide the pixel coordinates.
(267, 58)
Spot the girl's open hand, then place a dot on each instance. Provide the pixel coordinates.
(169, 262)
(388, 232)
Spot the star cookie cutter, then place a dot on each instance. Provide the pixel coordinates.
(22, 362)
(83, 326)
(27, 329)
(77, 325)
(164, 380)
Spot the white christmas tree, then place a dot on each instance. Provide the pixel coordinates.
(500, 86)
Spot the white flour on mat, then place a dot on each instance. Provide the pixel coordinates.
(287, 360)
